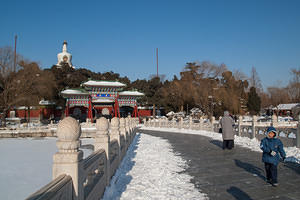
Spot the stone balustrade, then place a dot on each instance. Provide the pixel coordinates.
(288, 132)
(75, 178)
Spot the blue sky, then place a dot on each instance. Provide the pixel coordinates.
(121, 36)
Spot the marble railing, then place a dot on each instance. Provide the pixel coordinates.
(75, 178)
(288, 132)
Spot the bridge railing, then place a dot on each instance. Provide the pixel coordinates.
(289, 132)
(75, 178)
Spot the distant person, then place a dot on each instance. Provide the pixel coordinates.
(227, 131)
(272, 147)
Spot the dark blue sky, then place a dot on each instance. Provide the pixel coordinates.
(121, 36)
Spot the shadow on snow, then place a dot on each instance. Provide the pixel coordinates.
(121, 179)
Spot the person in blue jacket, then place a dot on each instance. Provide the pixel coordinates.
(272, 147)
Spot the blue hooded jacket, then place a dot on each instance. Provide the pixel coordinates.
(272, 144)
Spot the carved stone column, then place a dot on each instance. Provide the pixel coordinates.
(127, 131)
(102, 141)
(254, 123)
(68, 159)
(298, 136)
(201, 123)
(123, 132)
(181, 123)
(239, 133)
(115, 134)
(191, 123)
(213, 119)
(274, 121)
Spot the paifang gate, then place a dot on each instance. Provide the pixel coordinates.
(100, 98)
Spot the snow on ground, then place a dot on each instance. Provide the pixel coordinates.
(292, 153)
(26, 165)
(150, 170)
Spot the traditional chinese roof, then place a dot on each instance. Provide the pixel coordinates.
(46, 102)
(131, 93)
(104, 83)
(288, 106)
(74, 92)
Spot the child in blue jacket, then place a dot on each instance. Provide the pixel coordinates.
(272, 147)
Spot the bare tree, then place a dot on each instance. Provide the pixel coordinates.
(278, 95)
(294, 85)
(255, 81)
(7, 61)
(239, 75)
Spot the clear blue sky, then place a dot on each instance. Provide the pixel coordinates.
(121, 36)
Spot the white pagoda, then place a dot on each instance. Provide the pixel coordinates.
(64, 57)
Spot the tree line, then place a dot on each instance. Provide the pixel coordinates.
(210, 87)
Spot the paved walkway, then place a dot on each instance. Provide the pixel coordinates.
(236, 174)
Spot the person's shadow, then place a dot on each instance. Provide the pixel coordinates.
(250, 168)
(217, 143)
(238, 193)
(292, 165)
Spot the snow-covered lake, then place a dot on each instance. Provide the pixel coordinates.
(26, 165)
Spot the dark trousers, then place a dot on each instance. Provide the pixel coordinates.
(228, 144)
(271, 172)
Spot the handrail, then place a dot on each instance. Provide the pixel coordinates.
(56, 187)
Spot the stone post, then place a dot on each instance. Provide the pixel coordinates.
(130, 127)
(298, 136)
(123, 130)
(200, 123)
(213, 119)
(102, 141)
(115, 134)
(274, 121)
(128, 131)
(239, 133)
(254, 122)
(68, 159)
(181, 123)
(191, 123)
(114, 129)
(174, 123)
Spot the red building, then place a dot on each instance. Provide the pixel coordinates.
(100, 98)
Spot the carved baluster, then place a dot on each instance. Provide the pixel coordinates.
(115, 134)
(123, 133)
(102, 141)
(254, 124)
(68, 159)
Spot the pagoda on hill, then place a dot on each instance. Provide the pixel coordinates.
(100, 98)
(64, 57)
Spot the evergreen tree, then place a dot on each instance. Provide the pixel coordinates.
(254, 101)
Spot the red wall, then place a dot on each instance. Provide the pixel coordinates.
(37, 113)
(144, 113)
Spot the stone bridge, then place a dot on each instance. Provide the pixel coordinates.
(75, 178)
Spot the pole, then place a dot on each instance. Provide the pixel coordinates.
(15, 54)
(157, 62)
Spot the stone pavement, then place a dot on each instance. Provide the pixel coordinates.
(230, 174)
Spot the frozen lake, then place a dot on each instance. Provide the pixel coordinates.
(26, 165)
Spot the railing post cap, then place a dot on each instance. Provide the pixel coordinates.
(122, 121)
(68, 129)
(115, 121)
(102, 124)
